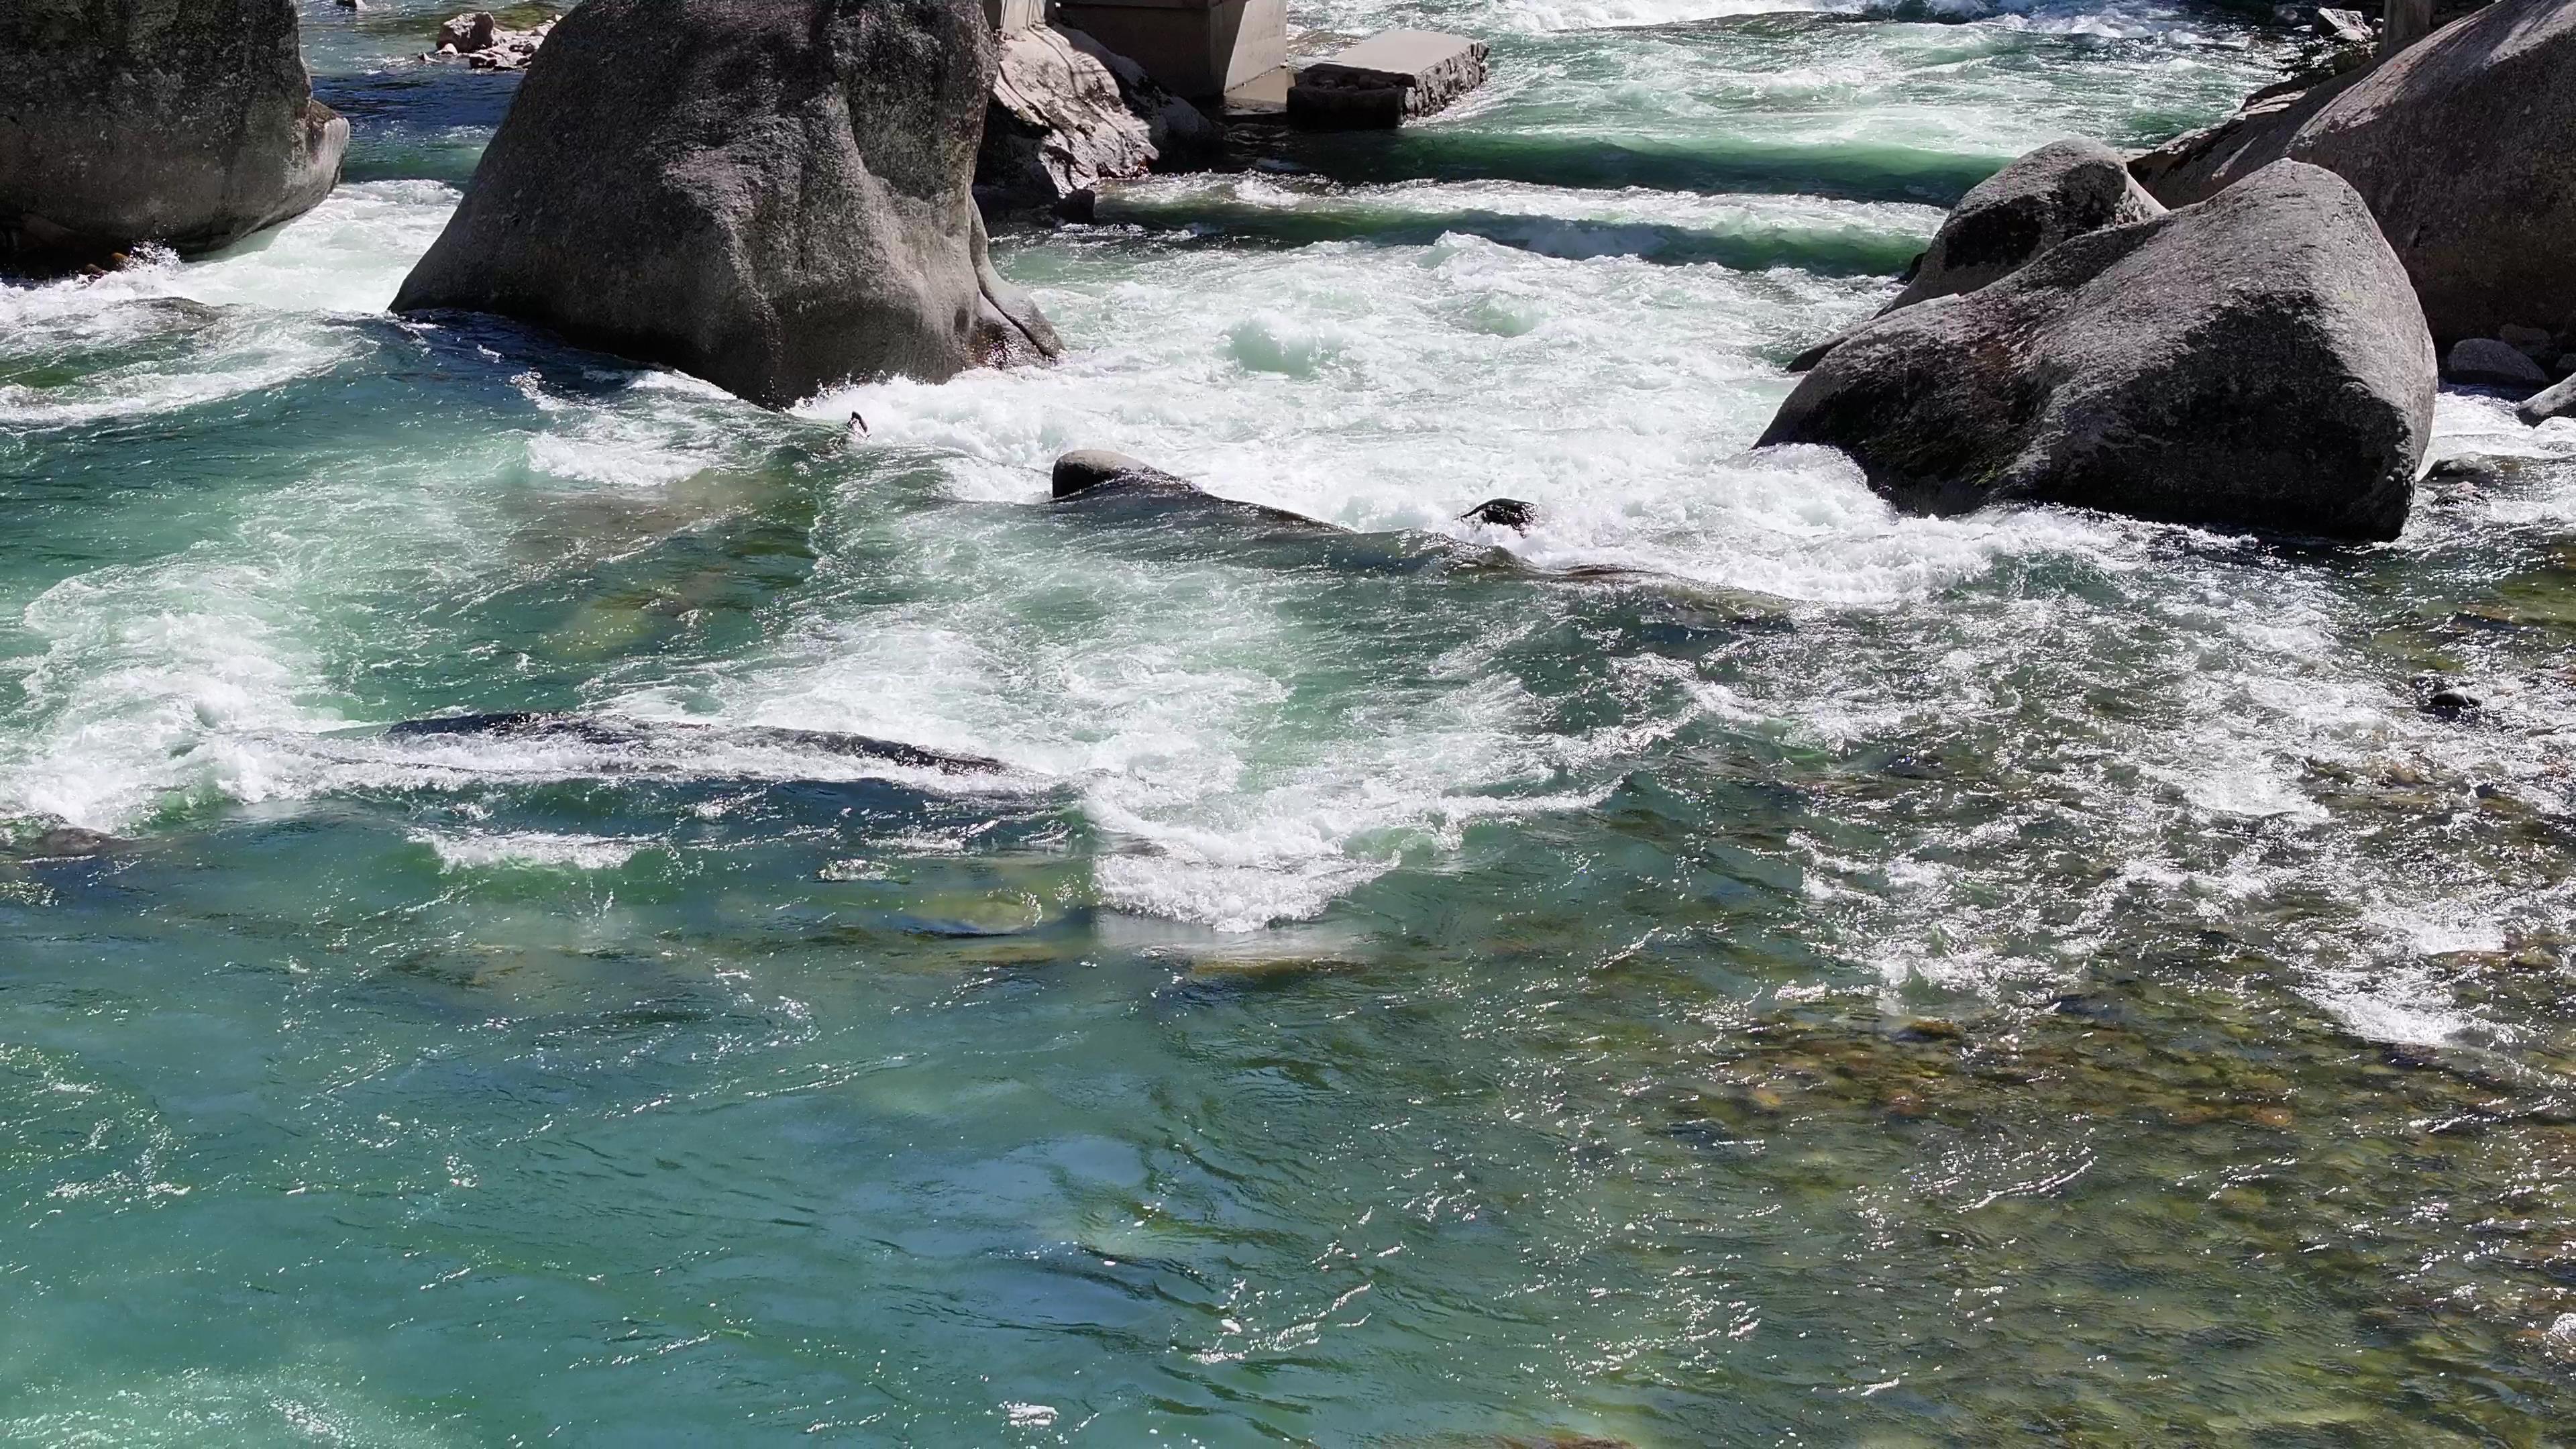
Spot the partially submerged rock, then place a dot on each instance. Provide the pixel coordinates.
(775, 197)
(2199, 164)
(1096, 475)
(478, 38)
(2461, 147)
(2061, 190)
(187, 125)
(2557, 401)
(2255, 360)
(1067, 115)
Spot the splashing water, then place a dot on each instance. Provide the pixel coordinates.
(1730, 963)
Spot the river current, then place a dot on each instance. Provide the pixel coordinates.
(1733, 965)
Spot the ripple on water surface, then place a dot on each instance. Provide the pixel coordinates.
(1731, 962)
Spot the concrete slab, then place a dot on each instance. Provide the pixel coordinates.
(1199, 49)
(1387, 80)
(1265, 95)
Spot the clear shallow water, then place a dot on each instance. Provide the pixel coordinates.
(1737, 967)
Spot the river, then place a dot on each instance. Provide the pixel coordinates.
(1731, 965)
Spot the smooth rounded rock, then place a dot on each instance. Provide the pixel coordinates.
(2491, 362)
(774, 195)
(2256, 360)
(1084, 469)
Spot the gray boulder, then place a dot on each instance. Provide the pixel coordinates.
(2464, 145)
(774, 195)
(1067, 115)
(2256, 360)
(1085, 469)
(2063, 189)
(123, 122)
(1098, 478)
(2488, 362)
(2558, 401)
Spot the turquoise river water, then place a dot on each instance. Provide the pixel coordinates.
(1733, 966)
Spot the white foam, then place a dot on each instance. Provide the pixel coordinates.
(529, 850)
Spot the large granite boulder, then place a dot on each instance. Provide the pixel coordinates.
(2256, 360)
(2464, 145)
(774, 195)
(130, 121)
(1068, 114)
(2063, 189)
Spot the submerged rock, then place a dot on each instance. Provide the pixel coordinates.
(2461, 146)
(1096, 474)
(2061, 190)
(774, 197)
(663, 736)
(121, 122)
(60, 843)
(2255, 360)
(1085, 469)
(1067, 115)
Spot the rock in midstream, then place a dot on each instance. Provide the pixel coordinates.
(2061, 190)
(2492, 362)
(776, 197)
(2256, 360)
(2557, 401)
(124, 122)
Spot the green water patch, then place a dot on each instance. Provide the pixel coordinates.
(1853, 171)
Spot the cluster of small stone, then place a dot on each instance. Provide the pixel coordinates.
(478, 39)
